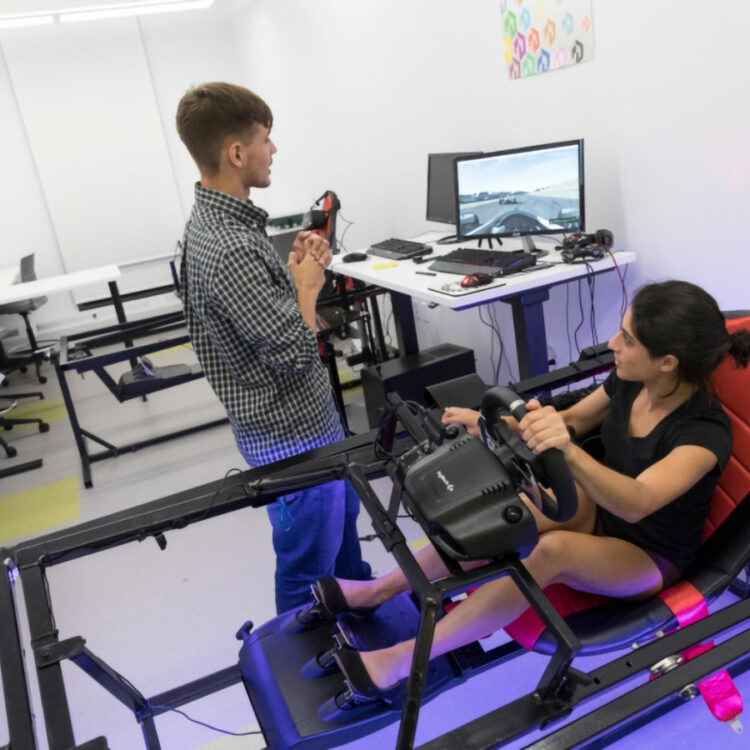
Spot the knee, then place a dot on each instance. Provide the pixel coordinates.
(550, 553)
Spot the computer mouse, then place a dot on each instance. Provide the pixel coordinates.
(476, 279)
(354, 257)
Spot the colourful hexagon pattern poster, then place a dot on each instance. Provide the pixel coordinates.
(542, 35)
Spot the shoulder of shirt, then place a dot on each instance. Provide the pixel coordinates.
(212, 215)
(703, 403)
(216, 226)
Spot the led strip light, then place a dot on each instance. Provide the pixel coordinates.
(99, 12)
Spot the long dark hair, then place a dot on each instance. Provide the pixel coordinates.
(680, 318)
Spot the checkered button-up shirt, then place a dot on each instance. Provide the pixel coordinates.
(259, 355)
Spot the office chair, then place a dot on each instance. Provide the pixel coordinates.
(35, 352)
(8, 403)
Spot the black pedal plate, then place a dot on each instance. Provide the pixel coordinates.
(287, 705)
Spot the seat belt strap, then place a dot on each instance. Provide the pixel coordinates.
(718, 691)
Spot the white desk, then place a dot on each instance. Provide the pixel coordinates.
(526, 292)
(10, 292)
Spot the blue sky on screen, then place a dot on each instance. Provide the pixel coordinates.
(522, 171)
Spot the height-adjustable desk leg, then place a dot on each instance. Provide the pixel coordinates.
(531, 336)
(403, 317)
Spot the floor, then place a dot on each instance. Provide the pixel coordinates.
(163, 618)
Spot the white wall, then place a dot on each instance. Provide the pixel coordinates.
(181, 50)
(362, 91)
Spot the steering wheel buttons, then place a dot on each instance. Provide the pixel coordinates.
(512, 514)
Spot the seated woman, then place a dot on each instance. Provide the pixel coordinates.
(640, 512)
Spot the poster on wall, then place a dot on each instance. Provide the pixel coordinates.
(542, 35)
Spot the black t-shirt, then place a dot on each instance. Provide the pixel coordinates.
(675, 530)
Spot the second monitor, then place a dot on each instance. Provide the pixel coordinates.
(441, 186)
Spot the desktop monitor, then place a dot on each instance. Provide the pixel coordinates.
(521, 192)
(441, 186)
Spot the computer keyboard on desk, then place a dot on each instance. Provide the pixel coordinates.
(469, 260)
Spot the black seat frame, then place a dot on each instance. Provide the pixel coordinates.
(561, 688)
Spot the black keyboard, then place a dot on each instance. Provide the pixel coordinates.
(399, 249)
(468, 260)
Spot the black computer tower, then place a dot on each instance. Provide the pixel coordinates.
(410, 375)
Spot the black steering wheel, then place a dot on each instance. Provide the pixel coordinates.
(529, 472)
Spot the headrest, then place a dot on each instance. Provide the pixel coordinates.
(732, 385)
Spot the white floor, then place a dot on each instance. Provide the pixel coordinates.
(163, 618)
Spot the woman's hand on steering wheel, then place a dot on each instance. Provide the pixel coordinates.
(543, 427)
(470, 419)
(466, 417)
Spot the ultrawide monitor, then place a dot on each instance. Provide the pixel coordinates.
(441, 186)
(522, 191)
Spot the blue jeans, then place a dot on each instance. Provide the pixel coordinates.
(315, 534)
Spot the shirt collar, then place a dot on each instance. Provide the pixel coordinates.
(245, 211)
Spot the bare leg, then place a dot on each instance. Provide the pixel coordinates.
(602, 565)
(375, 592)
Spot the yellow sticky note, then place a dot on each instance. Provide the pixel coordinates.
(387, 264)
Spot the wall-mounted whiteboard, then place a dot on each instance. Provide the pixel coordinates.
(88, 106)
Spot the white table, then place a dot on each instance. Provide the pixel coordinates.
(10, 292)
(526, 292)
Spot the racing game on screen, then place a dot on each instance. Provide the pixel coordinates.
(537, 190)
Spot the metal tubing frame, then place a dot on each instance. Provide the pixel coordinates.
(351, 458)
(43, 636)
(525, 714)
(118, 333)
(12, 670)
(150, 519)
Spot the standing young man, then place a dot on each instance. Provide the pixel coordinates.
(252, 324)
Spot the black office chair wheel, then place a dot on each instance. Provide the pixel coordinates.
(42, 379)
(8, 427)
(23, 369)
(43, 427)
(10, 451)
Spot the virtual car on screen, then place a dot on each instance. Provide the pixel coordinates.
(469, 222)
(516, 220)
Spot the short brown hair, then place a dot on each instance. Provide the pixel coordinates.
(210, 113)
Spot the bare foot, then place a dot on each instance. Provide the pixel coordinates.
(384, 666)
(360, 593)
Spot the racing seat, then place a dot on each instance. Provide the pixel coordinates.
(604, 624)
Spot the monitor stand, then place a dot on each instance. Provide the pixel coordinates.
(451, 239)
(527, 242)
(490, 240)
